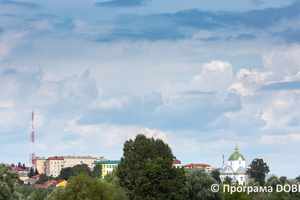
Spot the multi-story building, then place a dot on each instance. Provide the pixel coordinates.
(206, 167)
(53, 165)
(70, 161)
(107, 166)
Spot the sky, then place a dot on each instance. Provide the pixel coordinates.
(200, 75)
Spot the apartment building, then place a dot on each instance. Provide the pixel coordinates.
(53, 165)
(107, 166)
(206, 167)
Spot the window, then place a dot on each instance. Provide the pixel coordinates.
(240, 162)
(241, 178)
(54, 162)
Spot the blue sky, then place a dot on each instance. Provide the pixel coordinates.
(201, 75)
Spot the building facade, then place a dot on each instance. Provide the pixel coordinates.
(176, 163)
(53, 165)
(206, 167)
(235, 169)
(107, 166)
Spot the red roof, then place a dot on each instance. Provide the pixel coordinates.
(57, 182)
(17, 169)
(55, 158)
(36, 176)
(41, 185)
(175, 161)
(198, 165)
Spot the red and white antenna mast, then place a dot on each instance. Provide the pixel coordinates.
(32, 153)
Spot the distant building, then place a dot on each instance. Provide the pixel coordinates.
(53, 165)
(107, 166)
(206, 167)
(176, 163)
(22, 172)
(235, 169)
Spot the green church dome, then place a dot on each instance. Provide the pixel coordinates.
(236, 155)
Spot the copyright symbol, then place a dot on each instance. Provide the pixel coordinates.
(214, 188)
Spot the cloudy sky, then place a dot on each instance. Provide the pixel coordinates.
(201, 75)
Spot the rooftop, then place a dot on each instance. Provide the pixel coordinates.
(197, 165)
(17, 169)
(175, 161)
(55, 158)
(107, 162)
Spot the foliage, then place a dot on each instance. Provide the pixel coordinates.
(227, 180)
(82, 187)
(27, 190)
(42, 179)
(31, 173)
(298, 178)
(257, 170)
(68, 172)
(16, 196)
(117, 192)
(7, 179)
(136, 154)
(32, 196)
(236, 195)
(283, 180)
(36, 172)
(216, 175)
(97, 171)
(199, 185)
(160, 180)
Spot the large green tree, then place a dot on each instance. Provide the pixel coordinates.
(68, 172)
(97, 171)
(257, 170)
(136, 154)
(216, 175)
(7, 179)
(82, 187)
(199, 185)
(160, 180)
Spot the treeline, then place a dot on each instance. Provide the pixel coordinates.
(144, 172)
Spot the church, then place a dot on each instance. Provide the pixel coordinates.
(235, 169)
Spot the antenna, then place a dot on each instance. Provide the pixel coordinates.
(32, 152)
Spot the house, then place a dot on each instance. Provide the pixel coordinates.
(22, 172)
(176, 163)
(206, 167)
(59, 183)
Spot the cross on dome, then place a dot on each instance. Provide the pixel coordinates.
(236, 148)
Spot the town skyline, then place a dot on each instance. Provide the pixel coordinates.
(199, 75)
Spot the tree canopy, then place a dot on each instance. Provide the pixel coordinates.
(82, 187)
(199, 185)
(68, 172)
(160, 180)
(97, 171)
(7, 179)
(136, 154)
(257, 170)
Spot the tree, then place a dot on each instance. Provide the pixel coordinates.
(257, 170)
(97, 171)
(23, 167)
(298, 178)
(160, 180)
(82, 187)
(117, 192)
(36, 172)
(199, 185)
(216, 175)
(31, 172)
(136, 154)
(66, 173)
(283, 180)
(7, 179)
(19, 165)
(227, 180)
(42, 179)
